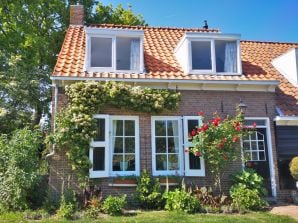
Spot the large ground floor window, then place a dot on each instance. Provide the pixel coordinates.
(115, 149)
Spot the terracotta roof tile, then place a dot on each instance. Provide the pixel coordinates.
(160, 61)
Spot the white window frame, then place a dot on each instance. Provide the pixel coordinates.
(137, 147)
(106, 145)
(257, 150)
(180, 153)
(108, 171)
(112, 33)
(269, 148)
(187, 144)
(213, 56)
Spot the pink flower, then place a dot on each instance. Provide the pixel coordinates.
(200, 113)
(237, 128)
(198, 153)
(254, 125)
(235, 138)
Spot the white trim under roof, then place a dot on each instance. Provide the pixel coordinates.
(114, 31)
(213, 85)
(286, 120)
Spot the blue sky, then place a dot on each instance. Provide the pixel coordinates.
(265, 20)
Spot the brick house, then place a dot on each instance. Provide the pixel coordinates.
(212, 70)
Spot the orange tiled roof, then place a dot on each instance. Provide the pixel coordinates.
(160, 61)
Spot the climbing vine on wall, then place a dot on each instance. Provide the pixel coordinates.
(75, 126)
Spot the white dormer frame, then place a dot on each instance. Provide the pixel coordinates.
(113, 34)
(184, 54)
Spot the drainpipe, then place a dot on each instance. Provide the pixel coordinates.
(54, 125)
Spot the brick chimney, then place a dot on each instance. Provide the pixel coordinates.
(76, 15)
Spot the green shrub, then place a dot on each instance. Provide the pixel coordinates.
(148, 193)
(51, 203)
(180, 200)
(294, 168)
(246, 199)
(113, 205)
(19, 164)
(94, 208)
(251, 180)
(68, 204)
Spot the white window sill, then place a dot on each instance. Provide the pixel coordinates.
(122, 185)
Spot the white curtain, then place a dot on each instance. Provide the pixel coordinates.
(230, 58)
(135, 55)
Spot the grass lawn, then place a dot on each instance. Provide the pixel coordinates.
(163, 216)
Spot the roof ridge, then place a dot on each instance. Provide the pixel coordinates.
(152, 27)
(270, 41)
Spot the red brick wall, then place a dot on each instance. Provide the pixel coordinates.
(260, 104)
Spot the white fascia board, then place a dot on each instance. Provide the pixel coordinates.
(220, 85)
(286, 120)
(113, 32)
(239, 82)
(221, 36)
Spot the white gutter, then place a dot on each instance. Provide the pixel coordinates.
(152, 80)
(54, 125)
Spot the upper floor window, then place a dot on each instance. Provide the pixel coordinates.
(209, 53)
(114, 50)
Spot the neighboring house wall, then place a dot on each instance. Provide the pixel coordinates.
(260, 104)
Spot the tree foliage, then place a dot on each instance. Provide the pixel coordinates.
(19, 161)
(31, 35)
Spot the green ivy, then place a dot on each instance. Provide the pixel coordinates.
(75, 126)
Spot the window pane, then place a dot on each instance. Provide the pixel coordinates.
(128, 53)
(201, 55)
(194, 162)
(262, 156)
(254, 155)
(129, 145)
(161, 145)
(254, 145)
(161, 162)
(246, 145)
(118, 144)
(258, 122)
(101, 52)
(172, 128)
(191, 125)
(160, 128)
(131, 162)
(226, 56)
(98, 158)
(173, 162)
(117, 159)
(100, 129)
(117, 127)
(173, 145)
(129, 128)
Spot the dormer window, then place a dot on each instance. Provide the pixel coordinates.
(201, 53)
(112, 50)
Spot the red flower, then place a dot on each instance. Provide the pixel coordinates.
(237, 124)
(205, 127)
(198, 153)
(199, 130)
(235, 138)
(254, 125)
(193, 133)
(200, 113)
(237, 128)
(217, 119)
(220, 145)
(215, 123)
